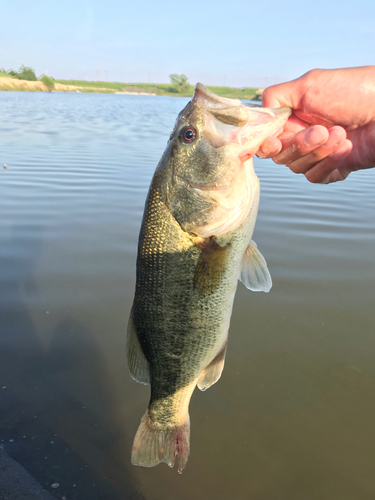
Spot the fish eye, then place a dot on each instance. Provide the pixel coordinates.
(188, 134)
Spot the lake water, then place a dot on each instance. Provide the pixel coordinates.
(293, 416)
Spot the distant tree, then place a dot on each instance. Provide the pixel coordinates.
(179, 82)
(48, 81)
(24, 73)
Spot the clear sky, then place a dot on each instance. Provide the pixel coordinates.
(233, 42)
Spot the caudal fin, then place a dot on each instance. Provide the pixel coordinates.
(154, 444)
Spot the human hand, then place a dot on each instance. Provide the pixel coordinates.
(331, 131)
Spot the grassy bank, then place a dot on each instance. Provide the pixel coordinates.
(162, 89)
(8, 83)
(109, 86)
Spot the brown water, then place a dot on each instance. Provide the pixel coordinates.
(293, 414)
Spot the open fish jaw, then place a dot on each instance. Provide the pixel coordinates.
(242, 128)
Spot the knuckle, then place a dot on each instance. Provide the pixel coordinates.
(312, 74)
(318, 155)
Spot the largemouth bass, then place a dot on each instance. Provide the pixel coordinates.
(194, 245)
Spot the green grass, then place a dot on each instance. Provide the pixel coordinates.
(235, 93)
(5, 74)
(165, 89)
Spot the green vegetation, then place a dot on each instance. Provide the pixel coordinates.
(24, 73)
(179, 86)
(179, 82)
(4, 73)
(246, 93)
(162, 89)
(48, 82)
(135, 88)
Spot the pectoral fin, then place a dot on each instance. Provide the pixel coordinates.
(211, 374)
(137, 362)
(254, 271)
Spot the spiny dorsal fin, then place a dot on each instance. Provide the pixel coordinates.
(254, 271)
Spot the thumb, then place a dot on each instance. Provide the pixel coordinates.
(283, 94)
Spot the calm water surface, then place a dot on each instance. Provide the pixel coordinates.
(293, 414)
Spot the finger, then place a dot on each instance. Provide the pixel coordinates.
(333, 168)
(294, 124)
(270, 147)
(337, 136)
(301, 144)
(283, 94)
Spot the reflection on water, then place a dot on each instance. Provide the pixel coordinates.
(293, 414)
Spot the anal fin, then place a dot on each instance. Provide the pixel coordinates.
(211, 374)
(137, 362)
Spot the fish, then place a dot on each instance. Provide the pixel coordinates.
(195, 243)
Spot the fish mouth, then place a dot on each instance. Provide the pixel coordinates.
(202, 92)
(228, 111)
(241, 126)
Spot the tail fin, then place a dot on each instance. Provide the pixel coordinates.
(154, 444)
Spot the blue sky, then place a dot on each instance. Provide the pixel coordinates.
(236, 42)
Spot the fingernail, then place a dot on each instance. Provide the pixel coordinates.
(307, 138)
(312, 137)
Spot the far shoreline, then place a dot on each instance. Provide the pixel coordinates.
(13, 84)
